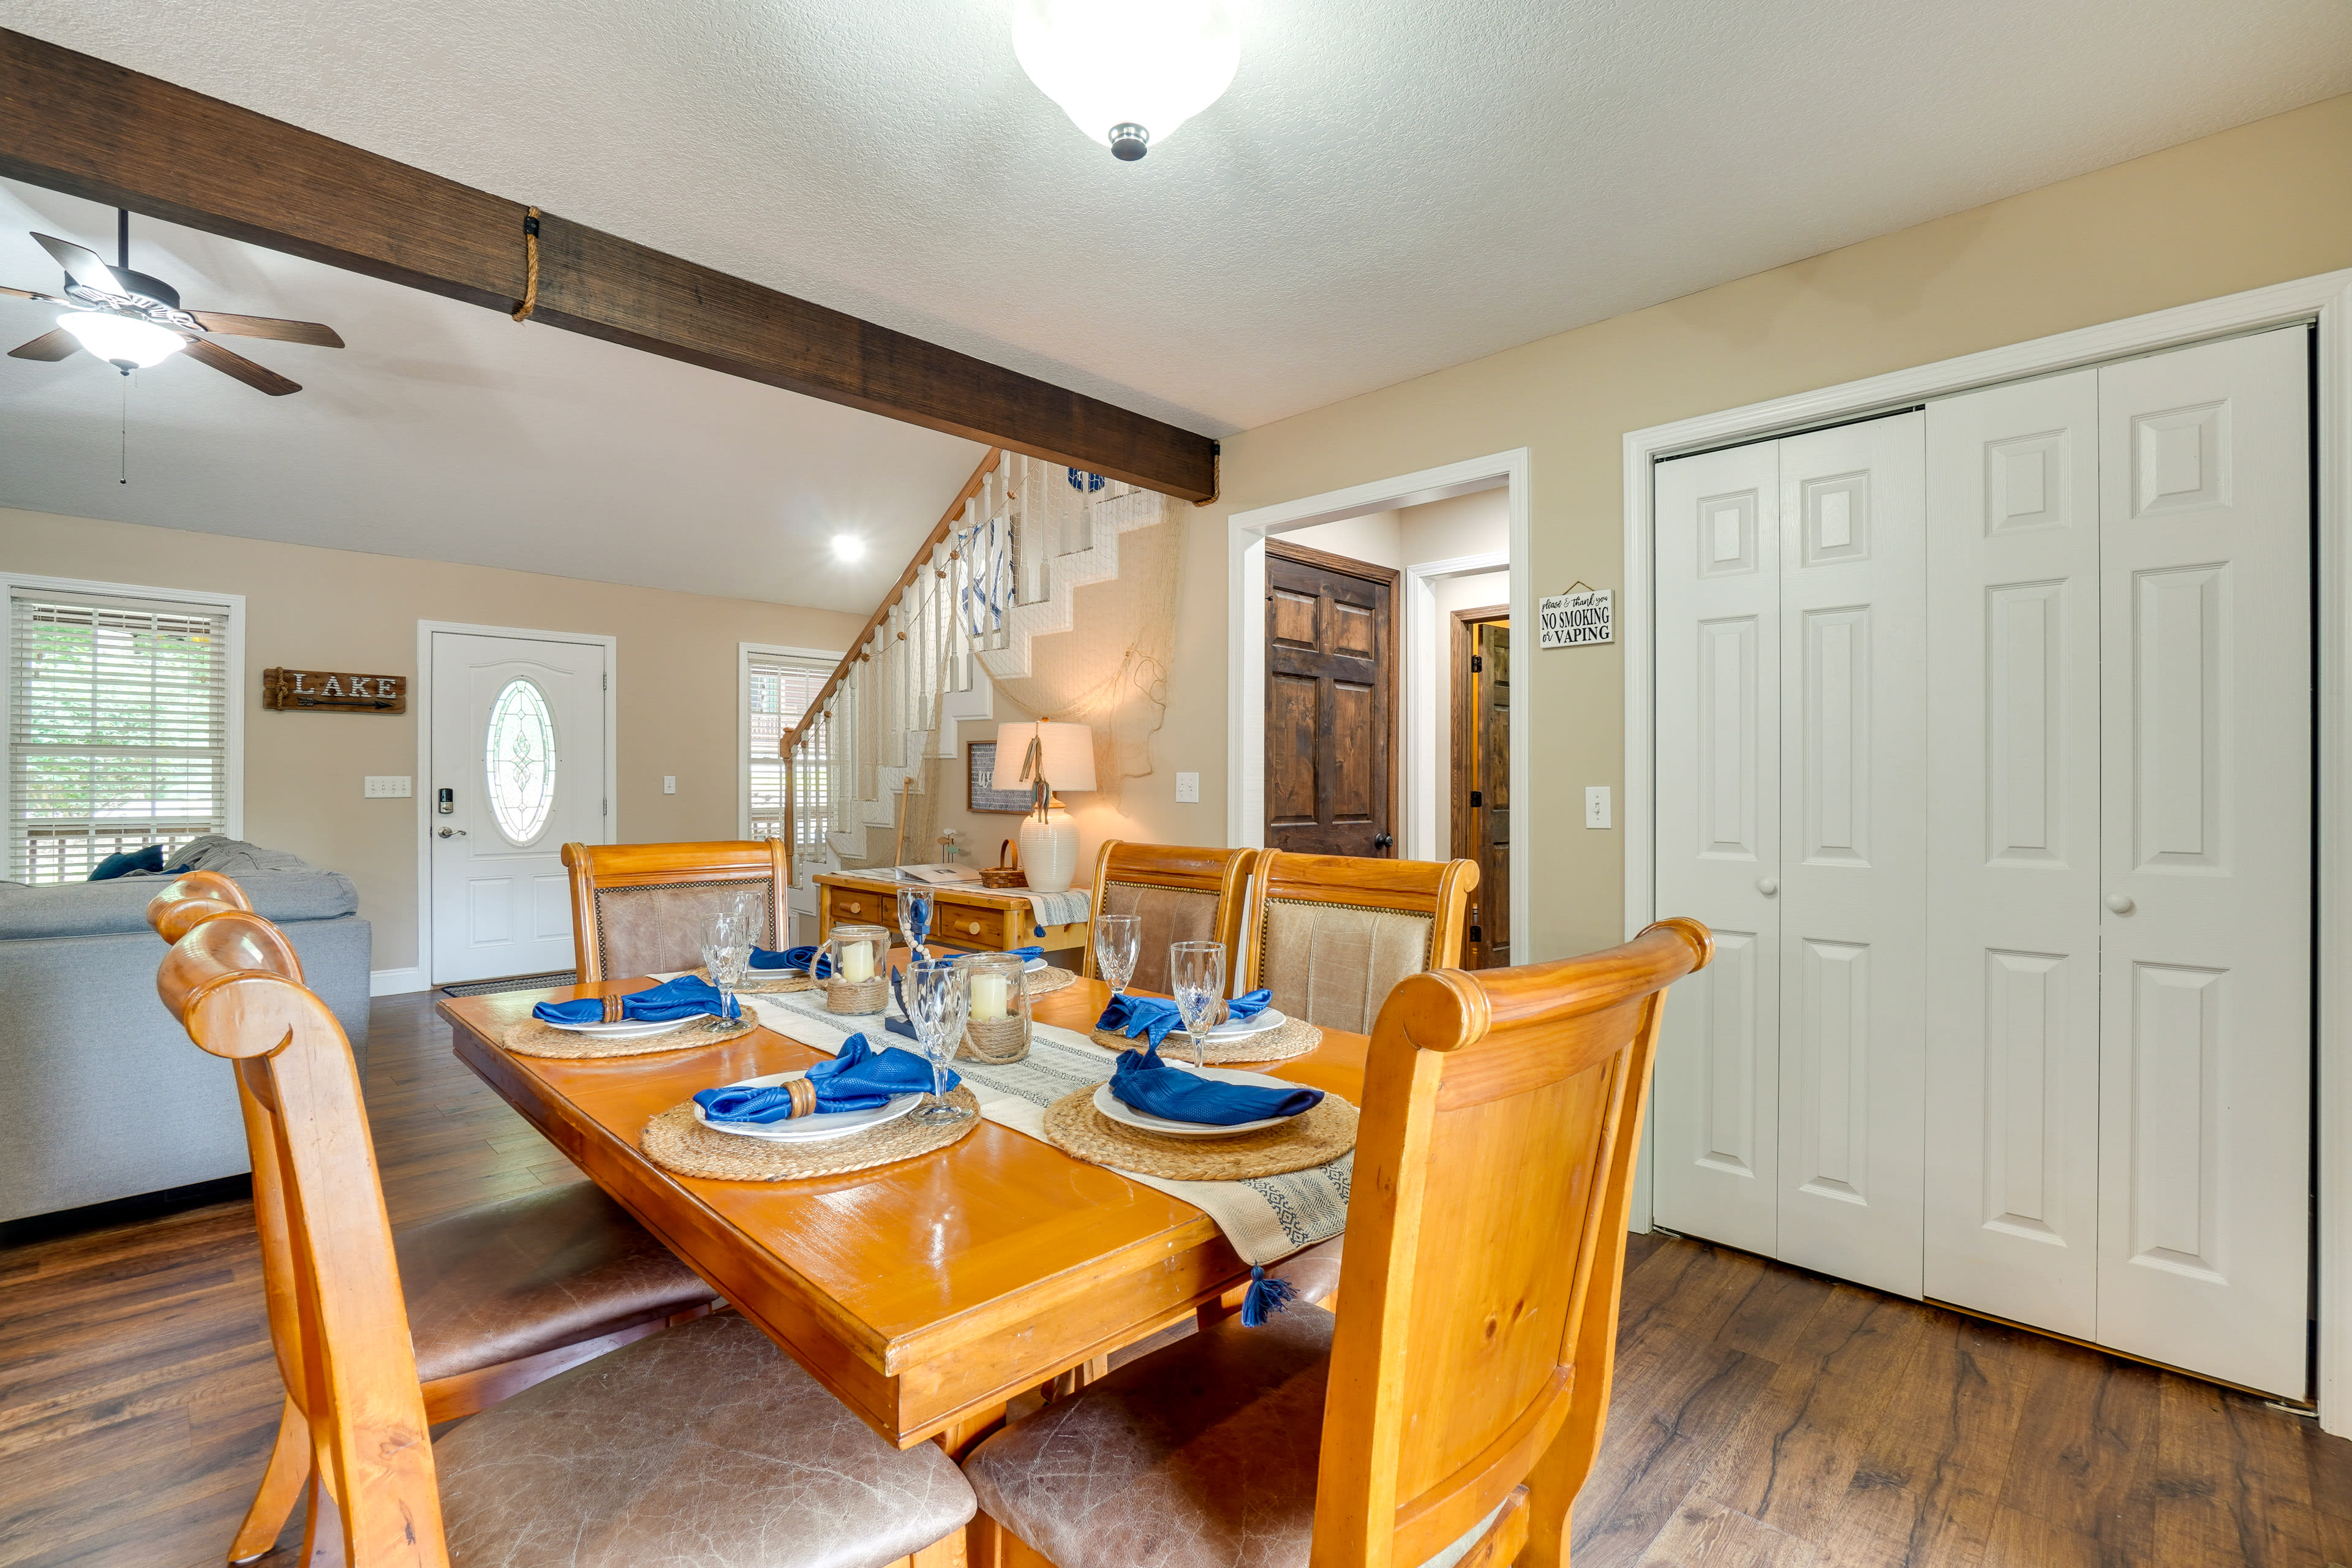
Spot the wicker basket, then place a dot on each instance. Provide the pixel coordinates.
(1003, 877)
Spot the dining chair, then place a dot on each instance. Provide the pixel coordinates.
(1330, 934)
(698, 1447)
(639, 909)
(498, 1297)
(1450, 1414)
(1180, 894)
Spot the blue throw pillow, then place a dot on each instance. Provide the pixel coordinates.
(150, 858)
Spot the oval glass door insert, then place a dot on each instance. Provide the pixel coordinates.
(519, 755)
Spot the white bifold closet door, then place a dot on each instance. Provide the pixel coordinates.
(1790, 816)
(2120, 916)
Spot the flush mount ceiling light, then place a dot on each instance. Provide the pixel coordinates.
(848, 547)
(1128, 72)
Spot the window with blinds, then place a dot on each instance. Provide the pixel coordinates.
(777, 690)
(118, 728)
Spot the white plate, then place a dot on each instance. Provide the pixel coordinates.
(808, 1129)
(1032, 966)
(1118, 1110)
(1242, 1028)
(627, 1030)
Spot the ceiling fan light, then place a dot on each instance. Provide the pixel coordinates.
(1128, 72)
(122, 340)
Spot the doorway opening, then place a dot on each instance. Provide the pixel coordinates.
(1478, 765)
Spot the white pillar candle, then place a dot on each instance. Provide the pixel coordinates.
(988, 995)
(856, 961)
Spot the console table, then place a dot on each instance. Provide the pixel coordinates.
(965, 918)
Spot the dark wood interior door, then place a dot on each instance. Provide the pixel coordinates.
(1330, 704)
(1482, 778)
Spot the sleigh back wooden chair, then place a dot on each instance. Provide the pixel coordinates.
(639, 909)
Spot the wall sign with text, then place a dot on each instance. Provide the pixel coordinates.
(333, 691)
(1573, 620)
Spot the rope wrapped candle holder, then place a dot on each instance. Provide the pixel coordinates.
(996, 1029)
(859, 985)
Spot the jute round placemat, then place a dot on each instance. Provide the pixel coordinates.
(1317, 1138)
(676, 1142)
(532, 1038)
(766, 981)
(1041, 981)
(1294, 1038)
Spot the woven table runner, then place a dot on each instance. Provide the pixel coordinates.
(530, 1037)
(1315, 1138)
(1292, 1037)
(676, 1142)
(1265, 1217)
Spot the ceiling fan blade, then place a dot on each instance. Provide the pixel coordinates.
(82, 265)
(33, 294)
(255, 376)
(312, 333)
(57, 344)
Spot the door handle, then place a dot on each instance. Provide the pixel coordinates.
(2121, 904)
(453, 833)
(1384, 841)
(1768, 886)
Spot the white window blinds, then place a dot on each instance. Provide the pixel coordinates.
(778, 688)
(118, 728)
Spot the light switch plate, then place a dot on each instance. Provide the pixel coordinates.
(385, 786)
(1188, 789)
(1596, 805)
(669, 784)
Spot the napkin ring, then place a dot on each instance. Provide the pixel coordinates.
(612, 1014)
(804, 1096)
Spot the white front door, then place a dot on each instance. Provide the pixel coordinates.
(518, 772)
(2205, 915)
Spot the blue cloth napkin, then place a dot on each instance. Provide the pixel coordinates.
(1028, 954)
(859, 1078)
(1136, 1016)
(667, 1003)
(799, 958)
(1152, 1087)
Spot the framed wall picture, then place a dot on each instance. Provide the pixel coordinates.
(980, 762)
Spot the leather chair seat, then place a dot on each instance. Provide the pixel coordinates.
(513, 1279)
(700, 1447)
(1314, 1272)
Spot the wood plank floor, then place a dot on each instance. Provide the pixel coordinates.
(1764, 1418)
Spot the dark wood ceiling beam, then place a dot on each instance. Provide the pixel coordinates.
(75, 123)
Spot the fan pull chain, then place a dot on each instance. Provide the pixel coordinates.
(122, 455)
(530, 265)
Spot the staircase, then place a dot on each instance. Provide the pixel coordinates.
(1000, 569)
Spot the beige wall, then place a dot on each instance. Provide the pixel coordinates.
(331, 609)
(2258, 205)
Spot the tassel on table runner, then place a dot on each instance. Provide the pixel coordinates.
(1265, 1297)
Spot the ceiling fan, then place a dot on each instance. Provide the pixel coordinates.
(132, 321)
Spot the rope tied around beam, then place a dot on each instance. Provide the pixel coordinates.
(530, 265)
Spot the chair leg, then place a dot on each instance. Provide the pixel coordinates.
(281, 1483)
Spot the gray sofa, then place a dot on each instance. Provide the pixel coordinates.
(108, 1097)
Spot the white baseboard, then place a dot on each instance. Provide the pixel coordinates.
(396, 982)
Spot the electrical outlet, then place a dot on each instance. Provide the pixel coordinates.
(1596, 805)
(669, 784)
(384, 786)
(1188, 789)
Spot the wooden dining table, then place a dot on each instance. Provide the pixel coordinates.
(925, 1294)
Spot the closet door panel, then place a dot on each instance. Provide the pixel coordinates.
(2205, 1027)
(1716, 1109)
(2012, 976)
(1853, 876)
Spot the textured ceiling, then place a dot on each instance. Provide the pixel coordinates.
(449, 433)
(1389, 187)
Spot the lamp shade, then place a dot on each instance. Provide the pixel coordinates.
(1128, 72)
(1068, 755)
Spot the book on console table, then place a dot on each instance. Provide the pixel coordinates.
(939, 874)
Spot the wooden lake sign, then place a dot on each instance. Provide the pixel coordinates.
(331, 691)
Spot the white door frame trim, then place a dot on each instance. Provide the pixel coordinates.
(828, 657)
(1427, 829)
(1245, 536)
(2327, 298)
(422, 688)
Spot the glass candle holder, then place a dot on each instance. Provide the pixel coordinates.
(997, 1028)
(859, 955)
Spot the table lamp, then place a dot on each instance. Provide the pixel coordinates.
(1043, 758)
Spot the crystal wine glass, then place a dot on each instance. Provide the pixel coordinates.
(727, 959)
(1196, 974)
(915, 911)
(1118, 940)
(939, 1000)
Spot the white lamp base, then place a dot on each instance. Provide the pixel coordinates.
(1049, 853)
